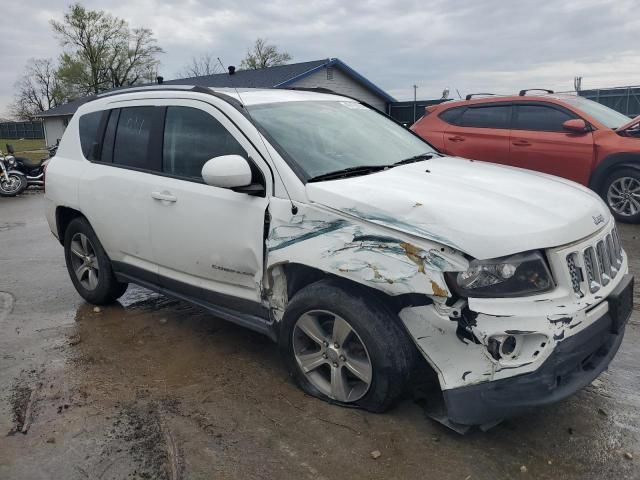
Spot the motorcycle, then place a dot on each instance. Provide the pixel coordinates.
(12, 181)
(33, 170)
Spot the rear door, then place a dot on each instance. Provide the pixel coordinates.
(539, 142)
(480, 132)
(113, 190)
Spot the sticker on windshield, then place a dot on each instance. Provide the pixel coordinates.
(354, 105)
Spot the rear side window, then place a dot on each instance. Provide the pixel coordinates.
(131, 146)
(540, 118)
(452, 115)
(191, 137)
(90, 132)
(495, 116)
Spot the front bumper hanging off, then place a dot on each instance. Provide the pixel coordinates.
(575, 363)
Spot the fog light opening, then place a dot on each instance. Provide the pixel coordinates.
(508, 346)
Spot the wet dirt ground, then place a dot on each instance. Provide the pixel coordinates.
(155, 388)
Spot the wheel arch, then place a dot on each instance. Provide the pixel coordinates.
(64, 216)
(609, 165)
(299, 275)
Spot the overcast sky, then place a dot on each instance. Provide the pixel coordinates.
(468, 45)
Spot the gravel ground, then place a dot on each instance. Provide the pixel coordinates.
(155, 388)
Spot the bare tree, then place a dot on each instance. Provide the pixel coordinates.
(38, 89)
(206, 64)
(102, 52)
(134, 58)
(262, 55)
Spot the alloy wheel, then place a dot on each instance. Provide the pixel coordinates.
(10, 184)
(84, 261)
(623, 196)
(332, 356)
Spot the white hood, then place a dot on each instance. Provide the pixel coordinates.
(483, 209)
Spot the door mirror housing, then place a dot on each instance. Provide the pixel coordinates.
(576, 125)
(227, 171)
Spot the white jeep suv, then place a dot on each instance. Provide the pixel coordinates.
(355, 245)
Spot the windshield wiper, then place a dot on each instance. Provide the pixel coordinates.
(417, 158)
(348, 172)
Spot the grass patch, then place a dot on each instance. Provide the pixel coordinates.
(33, 149)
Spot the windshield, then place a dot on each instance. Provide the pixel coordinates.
(324, 137)
(605, 115)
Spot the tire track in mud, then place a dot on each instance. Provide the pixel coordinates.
(141, 427)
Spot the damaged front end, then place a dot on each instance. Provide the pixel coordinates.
(541, 337)
(498, 357)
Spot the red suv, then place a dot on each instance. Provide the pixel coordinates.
(564, 135)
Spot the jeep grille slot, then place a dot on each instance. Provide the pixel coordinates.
(604, 266)
(576, 274)
(593, 277)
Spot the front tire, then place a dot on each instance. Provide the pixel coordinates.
(343, 345)
(89, 266)
(13, 185)
(621, 192)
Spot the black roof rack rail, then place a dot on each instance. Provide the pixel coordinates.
(524, 92)
(168, 88)
(471, 95)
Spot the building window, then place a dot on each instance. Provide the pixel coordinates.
(329, 73)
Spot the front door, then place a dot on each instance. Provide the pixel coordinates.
(539, 142)
(207, 241)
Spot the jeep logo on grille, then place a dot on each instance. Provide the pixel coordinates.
(598, 219)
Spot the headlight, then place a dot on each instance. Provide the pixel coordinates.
(516, 275)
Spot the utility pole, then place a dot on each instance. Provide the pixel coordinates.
(415, 99)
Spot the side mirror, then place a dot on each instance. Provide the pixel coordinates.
(227, 171)
(576, 125)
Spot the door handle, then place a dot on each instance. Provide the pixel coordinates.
(456, 138)
(164, 196)
(522, 143)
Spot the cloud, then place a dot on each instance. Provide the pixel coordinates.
(466, 45)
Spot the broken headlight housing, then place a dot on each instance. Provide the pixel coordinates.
(512, 276)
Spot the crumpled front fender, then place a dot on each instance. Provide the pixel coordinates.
(390, 261)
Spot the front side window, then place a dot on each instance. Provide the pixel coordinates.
(486, 117)
(89, 127)
(327, 136)
(131, 145)
(191, 138)
(540, 118)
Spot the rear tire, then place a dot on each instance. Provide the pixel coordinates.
(89, 266)
(621, 193)
(343, 345)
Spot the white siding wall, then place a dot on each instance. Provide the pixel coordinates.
(341, 83)
(54, 127)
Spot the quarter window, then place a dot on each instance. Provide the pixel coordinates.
(452, 115)
(486, 117)
(540, 118)
(191, 138)
(131, 146)
(89, 127)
